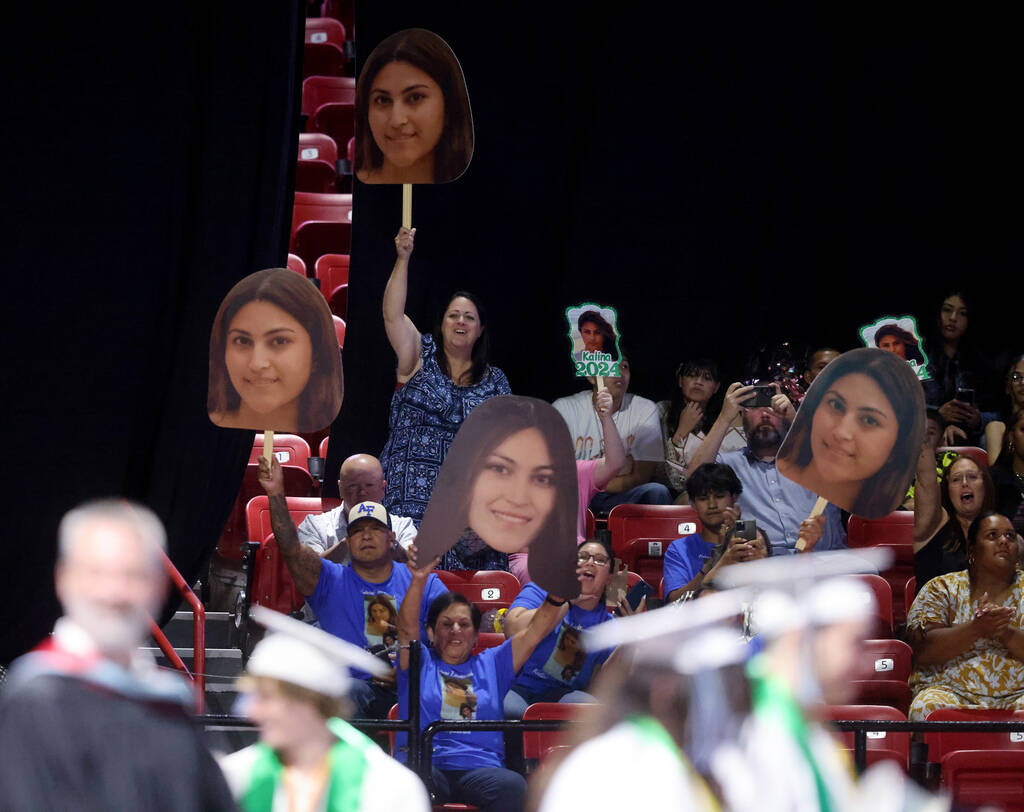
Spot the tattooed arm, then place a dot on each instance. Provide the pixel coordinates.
(303, 563)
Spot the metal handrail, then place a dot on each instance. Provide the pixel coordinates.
(198, 673)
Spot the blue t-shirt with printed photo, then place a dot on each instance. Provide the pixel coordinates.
(684, 558)
(344, 605)
(559, 661)
(474, 689)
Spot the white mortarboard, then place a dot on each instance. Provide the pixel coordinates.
(302, 655)
(797, 573)
(689, 637)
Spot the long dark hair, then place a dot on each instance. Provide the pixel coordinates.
(608, 336)
(957, 540)
(881, 492)
(480, 356)
(1010, 407)
(297, 296)
(1005, 458)
(431, 54)
(447, 516)
(678, 402)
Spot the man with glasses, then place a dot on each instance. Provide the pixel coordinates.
(559, 670)
(778, 504)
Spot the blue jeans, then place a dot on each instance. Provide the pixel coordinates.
(493, 789)
(516, 704)
(370, 700)
(650, 493)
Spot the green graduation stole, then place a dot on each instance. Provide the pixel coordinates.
(772, 700)
(347, 767)
(650, 729)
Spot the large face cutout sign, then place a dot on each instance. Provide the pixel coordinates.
(413, 119)
(898, 335)
(510, 477)
(858, 433)
(275, 363)
(594, 335)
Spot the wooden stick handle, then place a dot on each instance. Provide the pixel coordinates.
(268, 445)
(600, 383)
(817, 510)
(407, 205)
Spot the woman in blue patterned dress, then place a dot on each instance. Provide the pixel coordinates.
(444, 376)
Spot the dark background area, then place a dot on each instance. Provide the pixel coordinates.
(726, 184)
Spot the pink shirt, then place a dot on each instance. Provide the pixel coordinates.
(517, 562)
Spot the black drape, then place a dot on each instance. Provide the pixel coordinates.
(147, 164)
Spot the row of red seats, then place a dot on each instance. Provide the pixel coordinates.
(331, 272)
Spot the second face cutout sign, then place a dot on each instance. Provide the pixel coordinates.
(510, 478)
(858, 433)
(594, 334)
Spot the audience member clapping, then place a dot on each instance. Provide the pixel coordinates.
(965, 627)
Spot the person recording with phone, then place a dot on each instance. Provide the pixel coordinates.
(714, 491)
(782, 507)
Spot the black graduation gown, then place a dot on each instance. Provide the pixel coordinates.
(69, 744)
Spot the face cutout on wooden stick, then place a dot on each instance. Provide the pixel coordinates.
(858, 433)
(413, 119)
(594, 334)
(898, 335)
(510, 478)
(275, 363)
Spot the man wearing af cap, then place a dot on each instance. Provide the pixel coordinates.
(357, 602)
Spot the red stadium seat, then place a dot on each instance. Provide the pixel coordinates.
(324, 48)
(537, 744)
(989, 779)
(486, 640)
(909, 593)
(296, 264)
(257, 513)
(316, 168)
(979, 455)
(343, 10)
(882, 745)
(590, 524)
(332, 271)
(893, 693)
(886, 659)
(321, 224)
(329, 101)
(942, 742)
(290, 449)
(272, 584)
(488, 589)
(883, 608)
(339, 328)
(645, 557)
(895, 531)
(323, 447)
(667, 522)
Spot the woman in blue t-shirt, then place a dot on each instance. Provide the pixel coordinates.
(457, 685)
(559, 670)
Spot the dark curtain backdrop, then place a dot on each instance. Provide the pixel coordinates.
(148, 158)
(725, 183)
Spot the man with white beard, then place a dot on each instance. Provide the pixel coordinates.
(86, 720)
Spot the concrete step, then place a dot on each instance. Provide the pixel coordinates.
(219, 629)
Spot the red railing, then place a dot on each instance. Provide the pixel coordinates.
(198, 673)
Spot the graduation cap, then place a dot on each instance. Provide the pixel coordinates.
(302, 655)
(688, 638)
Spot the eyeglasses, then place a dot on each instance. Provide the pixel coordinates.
(597, 558)
(958, 479)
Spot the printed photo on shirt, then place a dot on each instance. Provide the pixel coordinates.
(381, 618)
(567, 658)
(458, 699)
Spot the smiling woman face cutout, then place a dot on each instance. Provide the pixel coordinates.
(510, 477)
(274, 356)
(413, 122)
(857, 435)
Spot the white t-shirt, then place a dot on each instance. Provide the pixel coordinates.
(322, 531)
(637, 422)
